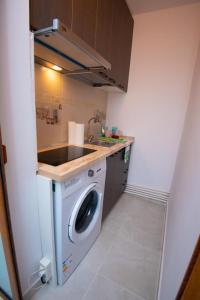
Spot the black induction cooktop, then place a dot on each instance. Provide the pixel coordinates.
(60, 156)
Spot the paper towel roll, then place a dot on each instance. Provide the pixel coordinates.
(71, 132)
(79, 136)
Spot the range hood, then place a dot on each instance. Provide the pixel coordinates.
(58, 45)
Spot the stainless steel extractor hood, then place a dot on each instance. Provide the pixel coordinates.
(57, 45)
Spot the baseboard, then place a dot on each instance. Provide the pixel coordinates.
(147, 193)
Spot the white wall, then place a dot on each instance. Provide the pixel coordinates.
(142, 6)
(17, 118)
(183, 221)
(163, 57)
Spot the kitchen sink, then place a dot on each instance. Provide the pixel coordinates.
(103, 143)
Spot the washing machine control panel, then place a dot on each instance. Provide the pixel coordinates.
(90, 173)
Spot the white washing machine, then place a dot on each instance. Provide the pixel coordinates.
(78, 204)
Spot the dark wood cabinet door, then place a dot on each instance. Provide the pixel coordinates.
(121, 41)
(42, 12)
(116, 179)
(109, 192)
(104, 28)
(121, 172)
(124, 54)
(84, 20)
(115, 40)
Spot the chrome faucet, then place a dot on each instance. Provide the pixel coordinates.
(98, 118)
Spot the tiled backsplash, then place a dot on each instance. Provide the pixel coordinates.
(73, 100)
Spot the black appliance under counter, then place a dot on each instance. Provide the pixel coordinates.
(117, 166)
(59, 156)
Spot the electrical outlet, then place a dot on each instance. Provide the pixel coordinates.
(45, 269)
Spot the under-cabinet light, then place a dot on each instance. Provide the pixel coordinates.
(56, 68)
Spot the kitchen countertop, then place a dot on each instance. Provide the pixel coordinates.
(64, 171)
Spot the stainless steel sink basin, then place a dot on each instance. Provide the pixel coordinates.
(102, 143)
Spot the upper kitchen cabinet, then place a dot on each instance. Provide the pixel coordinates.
(124, 53)
(114, 33)
(84, 20)
(104, 28)
(121, 41)
(105, 25)
(42, 12)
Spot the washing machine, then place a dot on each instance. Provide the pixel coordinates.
(78, 204)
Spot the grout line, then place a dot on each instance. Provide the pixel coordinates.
(88, 288)
(96, 273)
(105, 257)
(158, 251)
(122, 287)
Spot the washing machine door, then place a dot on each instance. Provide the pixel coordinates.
(86, 214)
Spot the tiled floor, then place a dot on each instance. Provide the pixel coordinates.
(124, 262)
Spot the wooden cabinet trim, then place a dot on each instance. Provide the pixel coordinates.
(191, 266)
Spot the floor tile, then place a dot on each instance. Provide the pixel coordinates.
(74, 289)
(143, 222)
(112, 223)
(136, 276)
(147, 233)
(98, 252)
(45, 293)
(132, 250)
(105, 289)
(134, 267)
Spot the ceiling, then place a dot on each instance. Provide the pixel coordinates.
(142, 6)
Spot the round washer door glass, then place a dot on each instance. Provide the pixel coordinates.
(86, 212)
